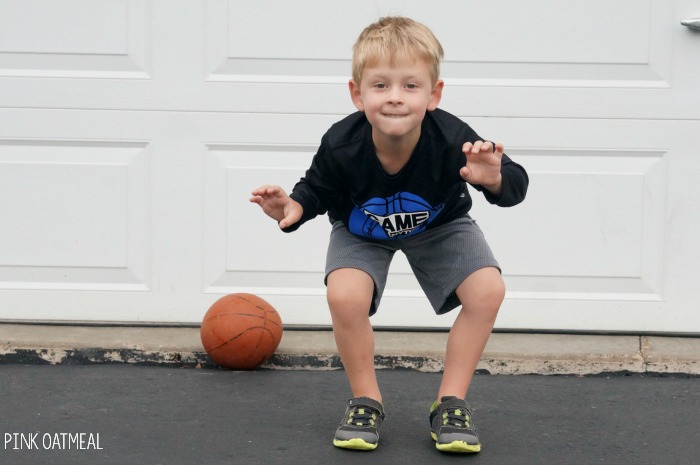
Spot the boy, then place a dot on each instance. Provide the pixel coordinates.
(392, 177)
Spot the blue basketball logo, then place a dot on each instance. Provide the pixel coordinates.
(401, 215)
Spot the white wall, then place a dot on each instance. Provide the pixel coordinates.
(132, 131)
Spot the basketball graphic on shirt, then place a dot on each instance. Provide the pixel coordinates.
(401, 215)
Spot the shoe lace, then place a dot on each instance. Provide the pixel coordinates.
(362, 416)
(456, 416)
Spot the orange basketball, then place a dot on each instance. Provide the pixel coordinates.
(241, 331)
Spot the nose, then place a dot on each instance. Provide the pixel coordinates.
(394, 95)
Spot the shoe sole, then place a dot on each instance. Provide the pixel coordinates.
(355, 444)
(460, 447)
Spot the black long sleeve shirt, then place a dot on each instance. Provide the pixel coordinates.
(347, 180)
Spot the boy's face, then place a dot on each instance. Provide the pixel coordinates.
(395, 97)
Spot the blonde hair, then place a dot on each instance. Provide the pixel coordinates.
(392, 38)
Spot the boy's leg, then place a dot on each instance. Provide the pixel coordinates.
(481, 295)
(350, 293)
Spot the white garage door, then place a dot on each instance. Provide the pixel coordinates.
(132, 131)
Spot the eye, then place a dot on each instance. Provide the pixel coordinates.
(411, 86)
(380, 85)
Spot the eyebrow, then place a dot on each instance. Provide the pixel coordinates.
(382, 77)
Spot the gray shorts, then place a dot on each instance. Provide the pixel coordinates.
(441, 258)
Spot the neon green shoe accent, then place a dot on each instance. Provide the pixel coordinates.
(355, 444)
(459, 447)
(458, 412)
(361, 411)
(456, 446)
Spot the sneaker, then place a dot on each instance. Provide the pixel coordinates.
(452, 427)
(359, 428)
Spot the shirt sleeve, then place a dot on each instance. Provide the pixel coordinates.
(515, 178)
(318, 188)
(514, 187)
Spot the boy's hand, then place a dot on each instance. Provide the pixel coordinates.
(277, 205)
(483, 165)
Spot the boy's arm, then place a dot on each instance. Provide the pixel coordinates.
(310, 196)
(502, 181)
(305, 196)
(318, 189)
(278, 205)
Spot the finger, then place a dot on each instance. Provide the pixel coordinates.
(466, 173)
(260, 190)
(268, 192)
(271, 190)
(286, 221)
(275, 191)
(492, 146)
(476, 147)
(472, 148)
(488, 146)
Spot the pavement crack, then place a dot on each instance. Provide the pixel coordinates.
(644, 352)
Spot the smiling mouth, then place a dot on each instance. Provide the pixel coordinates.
(388, 115)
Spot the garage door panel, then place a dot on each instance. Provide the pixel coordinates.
(584, 204)
(579, 59)
(244, 246)
(73, 214)
(74, 39)
(209, 240)
(575, 45)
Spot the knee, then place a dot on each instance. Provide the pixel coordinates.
(341, 297)
(495, 292)
(483, 292)
(349, 294)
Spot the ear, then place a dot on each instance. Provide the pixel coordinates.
(356, 95)
(436, 95)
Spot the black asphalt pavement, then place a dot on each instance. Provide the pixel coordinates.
(145, 415)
